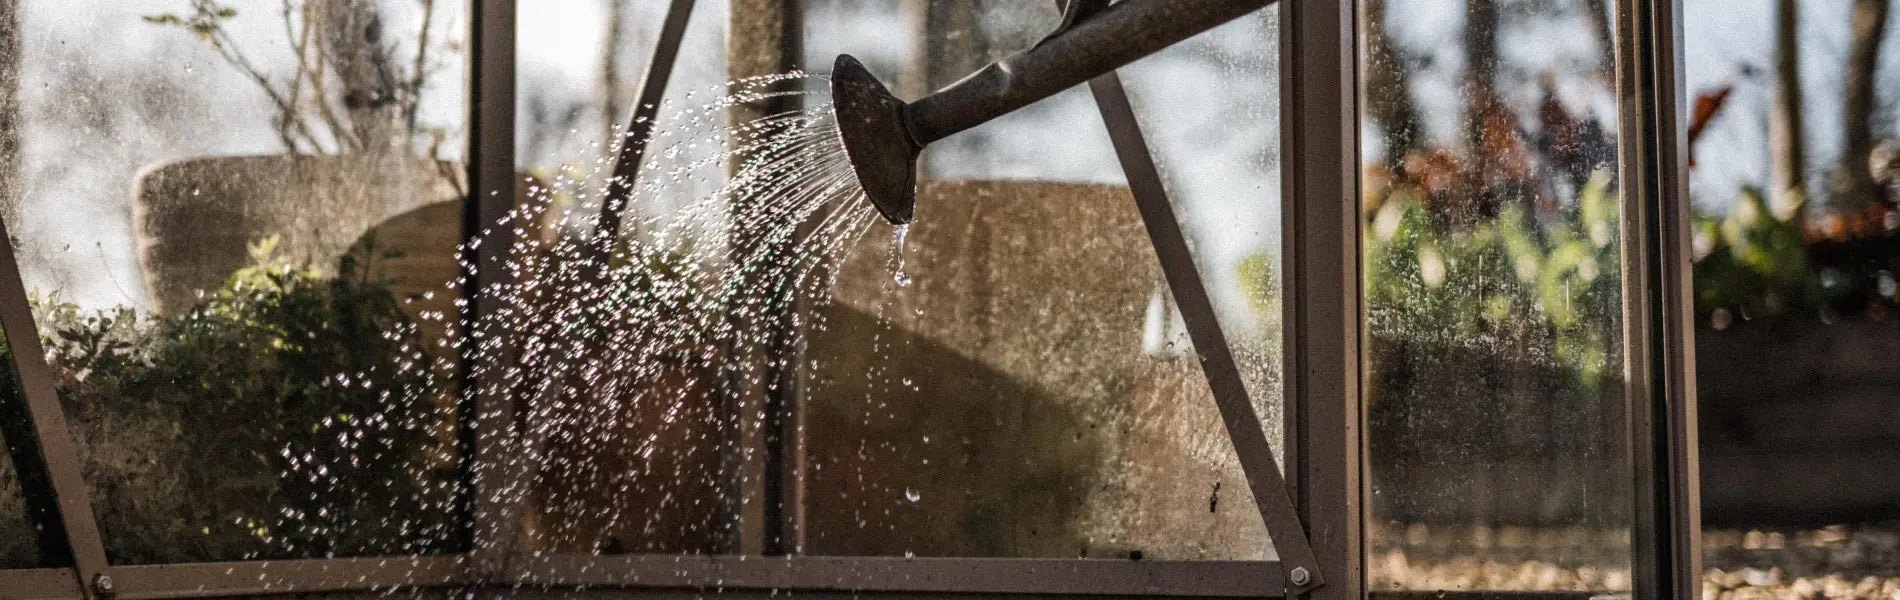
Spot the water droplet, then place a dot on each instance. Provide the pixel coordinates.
(912, 495)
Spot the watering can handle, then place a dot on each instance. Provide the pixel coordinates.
(1073, 11)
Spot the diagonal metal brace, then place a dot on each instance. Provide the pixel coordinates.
(1257, 460)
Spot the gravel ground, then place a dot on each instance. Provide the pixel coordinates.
(1833, 563)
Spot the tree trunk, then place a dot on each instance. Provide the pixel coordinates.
(1786, 140)
(351, 33)
(1599, 15)
(1481, 66)
(10, 117)
(610, 93)
(1389, 98)
(1854, 184)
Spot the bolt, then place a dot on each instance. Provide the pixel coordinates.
(102, 584)
(1300, 576)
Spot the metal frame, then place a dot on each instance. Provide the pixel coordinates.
(491, 433)
(1658, 300)
(1244, 430)
(1324, 312)
(1324, 318)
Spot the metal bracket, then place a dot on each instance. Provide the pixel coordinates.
(1264, 477)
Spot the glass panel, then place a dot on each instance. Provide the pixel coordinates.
(238, 222)
(19, 540)
(1010, 379)
(1797, 246)
(646, 469)
(1210, 108)
(1497, 429)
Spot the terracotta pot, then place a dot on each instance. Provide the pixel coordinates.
(196, 218)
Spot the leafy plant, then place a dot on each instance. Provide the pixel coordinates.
(291, 413)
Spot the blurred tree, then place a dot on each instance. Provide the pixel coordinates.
(1389, 100)
(611, 96)
(1788, 171)
(1854, 184)
(10, 117)
(347, 91)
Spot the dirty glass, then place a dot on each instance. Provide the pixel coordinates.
(237, 221)
(1008, 377)
(19, 539)
(1797, 321)
(1496, 425)
(1209, 108)
(647, 468)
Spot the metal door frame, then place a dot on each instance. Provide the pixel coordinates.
(1324, 465)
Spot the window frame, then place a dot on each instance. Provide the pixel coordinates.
(1324, 462)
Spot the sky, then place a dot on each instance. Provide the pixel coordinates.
(97, 113)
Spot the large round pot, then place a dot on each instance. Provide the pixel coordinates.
(196, 218)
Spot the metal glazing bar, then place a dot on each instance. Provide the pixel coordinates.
(286, 577)
(1487, 595)
(1658, 301)
(764, 38)
(58, 452)
(726, 594)
(1244, 430)
(802, 574)
(488, 441)
(39, 584)
(1324, 320)
(646, 110)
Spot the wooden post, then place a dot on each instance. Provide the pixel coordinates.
(764, 37)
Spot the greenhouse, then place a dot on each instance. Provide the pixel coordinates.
(948, 299)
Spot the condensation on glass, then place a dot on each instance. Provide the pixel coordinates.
(239, 224)
(1009, 377)
(1496, 421)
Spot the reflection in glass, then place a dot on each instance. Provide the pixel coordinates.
(1496, 431)
(233, 220)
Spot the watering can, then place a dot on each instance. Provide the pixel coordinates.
(883, 135)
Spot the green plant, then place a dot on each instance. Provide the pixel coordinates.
(290, 413)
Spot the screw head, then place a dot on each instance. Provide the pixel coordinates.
(102, 583)
(1300, 576)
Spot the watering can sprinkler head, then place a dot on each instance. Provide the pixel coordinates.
(883, 136)
(881, 151)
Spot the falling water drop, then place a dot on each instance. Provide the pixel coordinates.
(912, 495)
(897, 255)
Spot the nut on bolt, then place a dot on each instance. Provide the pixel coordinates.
(1300, 576)
(102, 584)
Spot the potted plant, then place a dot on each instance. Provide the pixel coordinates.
(355, 149)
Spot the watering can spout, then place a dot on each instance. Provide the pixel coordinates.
(883, 135)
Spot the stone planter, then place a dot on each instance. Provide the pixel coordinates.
(195, 218)
(1004, 405)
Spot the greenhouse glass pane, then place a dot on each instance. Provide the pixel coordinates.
(239, 222)
(1497, 429)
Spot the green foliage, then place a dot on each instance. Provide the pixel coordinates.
(290, 413)
(204, 20)
(1512, 283)
(1752, 263)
